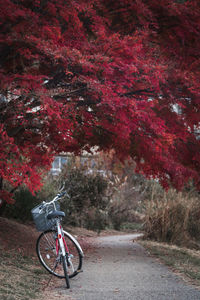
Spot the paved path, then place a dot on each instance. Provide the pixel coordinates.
(121, 269)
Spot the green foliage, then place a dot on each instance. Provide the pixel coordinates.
(123, 214)
(88, 198)
(131, 226)
(49, 189)
(21, 209)
(96, 219)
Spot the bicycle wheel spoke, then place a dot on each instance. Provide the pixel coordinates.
(50, 241)
(47, 254)
(73, 257)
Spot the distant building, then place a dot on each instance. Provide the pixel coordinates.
(86, 159)
(59, 162)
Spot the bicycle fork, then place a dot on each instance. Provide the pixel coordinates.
(61, 246)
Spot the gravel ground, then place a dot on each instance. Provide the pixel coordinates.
(121, 269)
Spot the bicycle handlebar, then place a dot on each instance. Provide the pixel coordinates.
(56, 198)
(59, 195)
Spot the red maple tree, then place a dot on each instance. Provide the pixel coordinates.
(121, 75)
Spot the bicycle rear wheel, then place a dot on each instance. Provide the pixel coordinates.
(53, 263)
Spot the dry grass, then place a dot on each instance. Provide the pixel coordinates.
(183, 261)
(172, 217)
(20, 276)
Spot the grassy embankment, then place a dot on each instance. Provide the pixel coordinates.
(21, 276)
(183, 261)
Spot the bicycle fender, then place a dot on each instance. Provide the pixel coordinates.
(75, 242)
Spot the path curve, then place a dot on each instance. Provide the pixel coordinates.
(121, 269)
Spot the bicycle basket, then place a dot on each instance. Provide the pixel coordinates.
(40, 216)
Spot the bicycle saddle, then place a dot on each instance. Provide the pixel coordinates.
(56, 213)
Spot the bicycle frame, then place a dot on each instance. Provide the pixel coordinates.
(60, 241)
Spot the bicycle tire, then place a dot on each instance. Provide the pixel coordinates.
(46, 252)
(65, 271)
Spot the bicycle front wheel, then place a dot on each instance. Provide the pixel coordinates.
(53, 262)
(65, 269)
